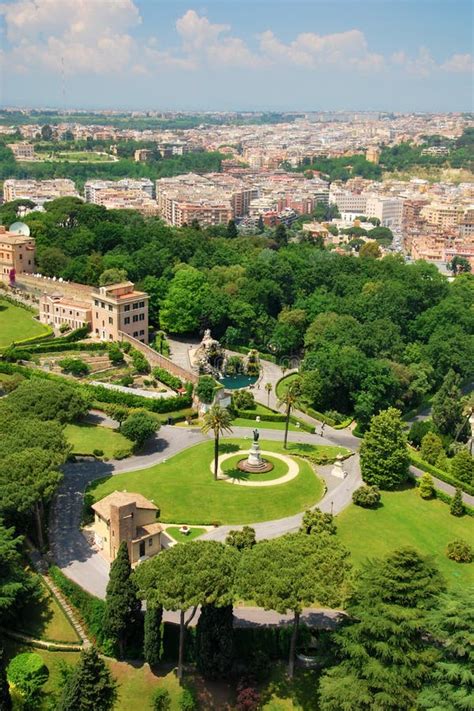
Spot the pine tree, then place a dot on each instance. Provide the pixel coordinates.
(260, 224)
(385, 657)
(426, 487)
(431, 447)
(457, 506)
(122, 604)
(90, 686)
(232, 229)
(152, 634)
(5, 698)
(215, 641)
(383, 454)
(451, 686)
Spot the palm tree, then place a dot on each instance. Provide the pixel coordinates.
(218, 420)
(467, 411)
(290, 399)
(268, 388)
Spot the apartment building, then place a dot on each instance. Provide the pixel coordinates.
(17, 252)
(119, 308)
(388, 210)
(96, 191)
(38, 191)
(130, 518)
(348, 201)
(22, 151)
(443, 214)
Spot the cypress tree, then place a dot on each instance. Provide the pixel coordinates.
(383, 453)
(426, 488)
(122, 603)
(5, 698)
(447, 406)
(457, 506)
(215, 641)
(152, 634)
(90, 686)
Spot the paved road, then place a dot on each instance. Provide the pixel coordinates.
(257, 616)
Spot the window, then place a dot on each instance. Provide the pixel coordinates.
(110, 307)
(111, 320)
(135, 334)
(96, 303)
(141, 317)
(21, 256)
(126, 320)
(141, 304)
(96, 314)
(102, 305)
(135, 305)
(135, 318)
(150, 541)
(126, 307)
(142, 332)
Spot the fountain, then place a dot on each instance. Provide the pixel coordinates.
(255, 462)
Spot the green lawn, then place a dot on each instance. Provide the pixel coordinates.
(283, 694)
(136, 683)
(264, 425)
(84, 438)
(45, 619)
(185, 491)
(284, 383)
(229, 466)
(194, 532)
(407, 520)
(17, 323)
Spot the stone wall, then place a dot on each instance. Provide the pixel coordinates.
(40, 285)
(157, 360)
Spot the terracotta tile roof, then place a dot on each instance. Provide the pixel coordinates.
(121, 498)
(149, 529)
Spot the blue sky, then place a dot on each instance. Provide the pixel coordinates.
(401, 55)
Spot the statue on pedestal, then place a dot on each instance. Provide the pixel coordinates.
(256, 435)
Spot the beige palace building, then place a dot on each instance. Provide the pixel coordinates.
(119, 308)
(16, 252)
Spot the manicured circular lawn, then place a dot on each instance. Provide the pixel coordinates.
(229, 467)
(184, 489)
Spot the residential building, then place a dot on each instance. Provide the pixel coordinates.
(442, 214)
(38, 191)
(22, 151)
(95, 190)
(372, 154)
(117, 309)
(56, 310)
(348, 201)
(17, 252)
(130, 518)
(388, 210)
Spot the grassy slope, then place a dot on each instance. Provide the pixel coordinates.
(17, 323)
(407, 520)
(84, 438)
(45, 619)
(185, 491)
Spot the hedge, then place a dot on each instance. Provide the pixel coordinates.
(167, 378)
(439, 473)
(89, 608)
(33, 340)
(446, 498)
(274, 417)
(245, 351)
(15, 302)
(56, 346)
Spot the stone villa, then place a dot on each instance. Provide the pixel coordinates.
(123, 516)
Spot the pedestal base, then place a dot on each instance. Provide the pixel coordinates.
(254, 461)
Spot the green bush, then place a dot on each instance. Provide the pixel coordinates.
(74, 366)
(161, 700)
(187, 701)
(28, 673)
(126, 381)
(366, 496)
(167, 378)
(139, 361)
(89, 608)
(418, 430)
(439, 473)
(115, 354)
(122, 453)
(64, 328)
(243, 400)
(460, 551)
(98, 452)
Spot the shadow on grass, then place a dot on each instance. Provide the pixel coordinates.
(36, 615)
(302, 689)
(236, 473)
(228, 447)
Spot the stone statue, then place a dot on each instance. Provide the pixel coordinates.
(256, 435)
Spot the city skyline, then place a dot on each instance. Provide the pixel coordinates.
(227, 56)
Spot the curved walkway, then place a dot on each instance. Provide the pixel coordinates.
(293, 471)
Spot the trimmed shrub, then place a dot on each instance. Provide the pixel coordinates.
(28, 673)
(426, 487)
(115, 354)
(139, 361)
(460, 551)
(418, 430)
(439, 473)
(366, 496)
(161, 700)
(243, 400)
(122, 453)
(172, 381)
(126, 381)
(74, 366)
(64, 328)
(248, 698)
(457, 506)
(431, 447)
(98, 452)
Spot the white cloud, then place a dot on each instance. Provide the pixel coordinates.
(197, 32)
(459, 63)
